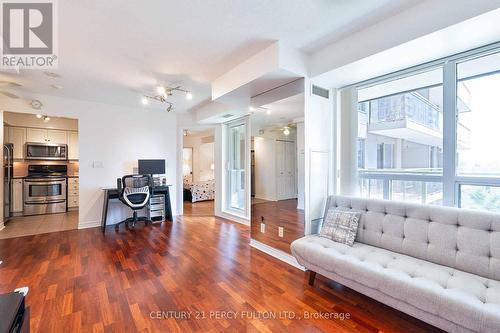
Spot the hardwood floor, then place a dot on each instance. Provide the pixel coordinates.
(84, 281)
(200, 208)
(276, 214)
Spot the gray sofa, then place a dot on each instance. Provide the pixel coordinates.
(438, 264)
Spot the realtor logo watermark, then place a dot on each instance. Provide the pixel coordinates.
(29, 34)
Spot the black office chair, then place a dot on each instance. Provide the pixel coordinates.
(134, 191)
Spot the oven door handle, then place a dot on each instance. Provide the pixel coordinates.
(49, 182)
(44, 202)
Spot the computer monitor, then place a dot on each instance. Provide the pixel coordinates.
(151, 167)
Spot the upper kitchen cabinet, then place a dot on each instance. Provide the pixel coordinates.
(73, 150)
(17, 136)
(41, 135)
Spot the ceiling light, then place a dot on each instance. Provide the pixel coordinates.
(46, 118)
(185, 132)
(163, 93)
(144, 100)
(251, 108)
(39, 116)
(286, 131)
(268, 112)
(161, 90)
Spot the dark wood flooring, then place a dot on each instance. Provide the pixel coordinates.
(84, 281)
(200, 208)
(276, 214)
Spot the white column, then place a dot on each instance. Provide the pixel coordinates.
(348, 135)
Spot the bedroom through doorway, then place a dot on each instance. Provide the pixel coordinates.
(198, 172)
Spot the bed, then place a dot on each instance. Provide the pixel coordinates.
(199, 191)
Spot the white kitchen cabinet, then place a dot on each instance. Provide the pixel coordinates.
(57, 136)
(38, 135)
(73, 195)
(73, 148)
(17, 195)
(42, 135)
(17, 136)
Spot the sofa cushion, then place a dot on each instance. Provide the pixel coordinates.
(466, 299)
(340, 225)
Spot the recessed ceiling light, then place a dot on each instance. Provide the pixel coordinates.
(189, 95)
(268, 112)
(39, 116)
(251, 108)
(52, 74)
(144, 101)
(286, 131)
(56, 86)
(46, 118)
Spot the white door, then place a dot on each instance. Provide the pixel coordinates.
(38, 135)
(285, 170)
(57, 136)
(291, 191)
(280, 170)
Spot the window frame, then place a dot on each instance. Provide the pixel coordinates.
(450, 180)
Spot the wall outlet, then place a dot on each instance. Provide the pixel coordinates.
(263, 227)
(280, 232)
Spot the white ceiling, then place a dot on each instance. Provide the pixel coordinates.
(283, 112)
(112, 51)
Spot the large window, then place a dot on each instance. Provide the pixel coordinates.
(400, 125)
(420, 140)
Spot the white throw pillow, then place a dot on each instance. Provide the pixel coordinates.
(341, 225)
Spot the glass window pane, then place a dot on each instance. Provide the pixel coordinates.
(480, 197)
(237, 137)
(417, 191)
(478, 107)
(372, 188)
(402, 131)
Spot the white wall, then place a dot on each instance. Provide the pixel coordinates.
(116, 136)
(265, 168)
(203, 156)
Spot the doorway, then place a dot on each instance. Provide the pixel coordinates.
(198, 172)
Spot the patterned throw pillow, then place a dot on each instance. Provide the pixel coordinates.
(340, 225)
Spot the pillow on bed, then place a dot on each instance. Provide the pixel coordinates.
(340, 225)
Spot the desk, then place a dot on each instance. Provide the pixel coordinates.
(112, 193)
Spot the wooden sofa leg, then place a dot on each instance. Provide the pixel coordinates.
(312, 276)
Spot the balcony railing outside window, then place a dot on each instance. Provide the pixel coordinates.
(409, 105)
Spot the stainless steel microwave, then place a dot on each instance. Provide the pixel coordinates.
(46, 151)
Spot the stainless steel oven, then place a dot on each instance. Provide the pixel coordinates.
(46, 151)
(45, 189)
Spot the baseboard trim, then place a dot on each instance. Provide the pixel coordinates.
(89, 224)
(278, 254)
(233, 218)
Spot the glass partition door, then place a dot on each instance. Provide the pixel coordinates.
(236, 166)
